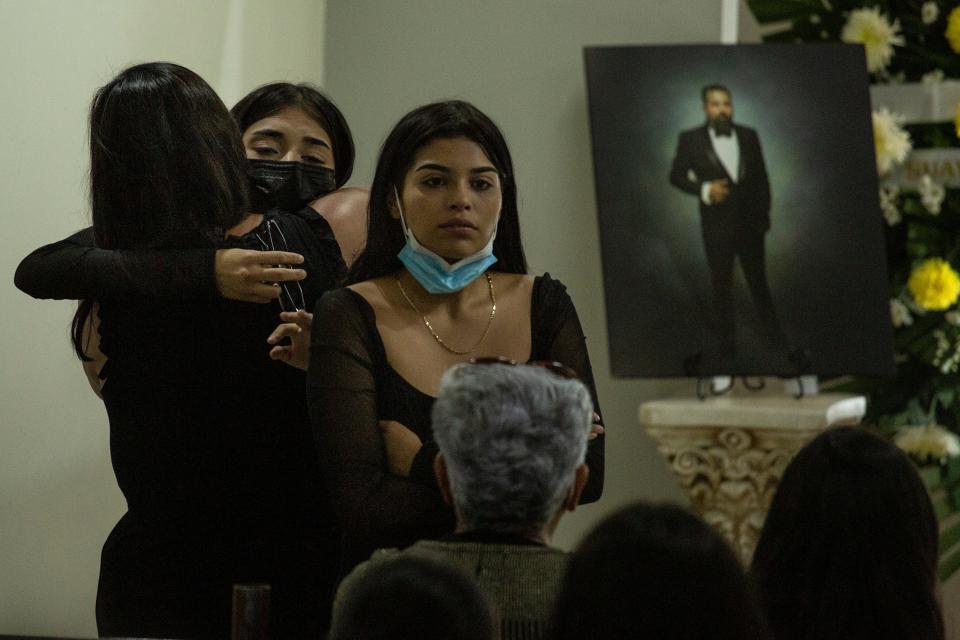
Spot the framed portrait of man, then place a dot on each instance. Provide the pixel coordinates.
(738, 209)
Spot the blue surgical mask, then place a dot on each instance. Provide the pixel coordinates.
(435, 274)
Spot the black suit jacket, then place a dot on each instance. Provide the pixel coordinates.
(695, 162)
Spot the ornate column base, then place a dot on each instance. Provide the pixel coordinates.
(730, 453)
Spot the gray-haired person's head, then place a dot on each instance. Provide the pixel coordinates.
(512, 438)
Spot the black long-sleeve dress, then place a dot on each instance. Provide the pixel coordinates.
(209, 439)
(351, 385)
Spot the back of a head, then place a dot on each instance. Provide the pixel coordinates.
(272, 98)
(413, 597)
(849, 547)
(167, 167)
(512, 438)
(655, 571)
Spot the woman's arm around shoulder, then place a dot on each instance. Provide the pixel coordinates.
(346, 211)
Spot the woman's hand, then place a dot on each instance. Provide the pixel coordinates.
(402, 446)
(252, 276)
(596, 429)
(296, 326)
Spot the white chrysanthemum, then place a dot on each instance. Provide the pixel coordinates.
(929, 442)
(899, 314)
(931, 194)
(888, 204)
(929, 12)
(871, 28)
(891, 141)
(933, 77)
(953, 317)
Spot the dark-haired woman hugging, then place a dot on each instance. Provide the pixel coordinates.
(208, 435)
(299, 153)
(443, 279)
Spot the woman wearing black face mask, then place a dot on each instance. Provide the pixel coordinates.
(299, 150)
(295, 125)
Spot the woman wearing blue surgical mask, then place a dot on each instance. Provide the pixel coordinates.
(443, 279)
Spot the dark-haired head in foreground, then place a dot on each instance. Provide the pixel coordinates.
(414, 597)
(655, 571)
(849, 548)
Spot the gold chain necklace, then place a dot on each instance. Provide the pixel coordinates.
(426, 323)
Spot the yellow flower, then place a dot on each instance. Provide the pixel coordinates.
(934, 285)
(953, 30)
(870, 28)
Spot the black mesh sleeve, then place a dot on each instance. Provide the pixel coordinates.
(75, 269)
(558, 336)
(374, 507)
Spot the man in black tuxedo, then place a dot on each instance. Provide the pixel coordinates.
(722, 165)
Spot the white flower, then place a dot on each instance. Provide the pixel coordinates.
(953, 317)
(932, 77)
(899, 314)
(871, 28)
(917, 310)
(931, 194)
(888, 205)
(891, 141)
(814, 18)
(928, 442)
(929, 12)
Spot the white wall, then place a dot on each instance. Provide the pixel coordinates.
(522, 63)
(58, 498)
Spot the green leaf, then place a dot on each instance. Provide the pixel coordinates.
(947, 397)
(776, 10)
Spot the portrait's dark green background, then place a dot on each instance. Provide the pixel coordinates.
(825, 260)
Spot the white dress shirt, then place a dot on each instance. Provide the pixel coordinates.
(727, 149)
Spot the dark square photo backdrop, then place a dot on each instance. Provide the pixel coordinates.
(808, 107)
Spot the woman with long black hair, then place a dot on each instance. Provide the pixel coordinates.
(208, 435)
(443, 279)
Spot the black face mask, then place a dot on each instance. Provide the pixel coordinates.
(287, 185)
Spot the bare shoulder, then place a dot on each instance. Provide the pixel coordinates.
(373, 291)
(512, 285)
(343, 202)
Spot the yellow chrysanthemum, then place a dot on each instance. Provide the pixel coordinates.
(953, 30)
(934, 285)
(871, 28)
